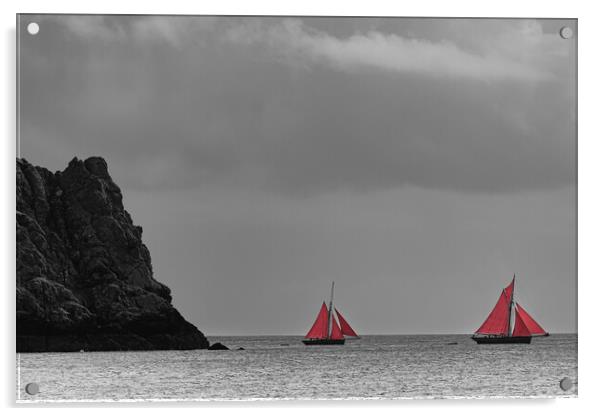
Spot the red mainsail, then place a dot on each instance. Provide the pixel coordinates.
(510, 291)
(497, 321)
(533, 327)
(345, 327)
(319, 329)
(336, 331)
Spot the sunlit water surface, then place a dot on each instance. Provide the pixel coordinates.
(392, 366)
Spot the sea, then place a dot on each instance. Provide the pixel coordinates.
(281, 367)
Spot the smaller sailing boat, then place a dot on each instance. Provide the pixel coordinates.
(497, 328)
(326, 330)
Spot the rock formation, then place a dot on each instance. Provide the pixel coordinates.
(84, 277)
(218, 346)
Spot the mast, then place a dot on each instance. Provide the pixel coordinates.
(510, 307)
(330, 310)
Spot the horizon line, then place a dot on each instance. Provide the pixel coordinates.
(363, 335)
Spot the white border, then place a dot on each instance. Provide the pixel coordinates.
(589, 210)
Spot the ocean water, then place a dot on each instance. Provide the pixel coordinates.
(274, 367)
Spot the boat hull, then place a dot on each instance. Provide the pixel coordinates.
(324, 341)
(502, 340)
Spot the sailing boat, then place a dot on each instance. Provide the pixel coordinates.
(497, 328)
(326, 330)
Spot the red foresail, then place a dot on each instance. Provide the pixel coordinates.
(497, 321)
(532, 326)
(320, 327)
(336, 331)
(520, 329)
(345, 327)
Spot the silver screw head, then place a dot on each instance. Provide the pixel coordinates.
(566, 384)
(32, 388)
(33, 28)
(566, 32)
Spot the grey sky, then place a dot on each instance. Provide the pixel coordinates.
(417, 162)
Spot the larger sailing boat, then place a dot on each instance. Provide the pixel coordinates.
(497, 328)
(326, 330)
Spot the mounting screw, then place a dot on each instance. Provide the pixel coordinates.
(566, 384)
(33, 28)
(566, 32)
(32, 388)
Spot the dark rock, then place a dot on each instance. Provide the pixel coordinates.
(84, 277)
(218, 346)
(240, 349)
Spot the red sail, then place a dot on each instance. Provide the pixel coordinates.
(510, 291)
(497, 321)
(520, 329)
(336, 331)
(320, 328)
(532, 326)
(345, 327)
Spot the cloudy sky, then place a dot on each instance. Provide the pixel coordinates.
(419, 163)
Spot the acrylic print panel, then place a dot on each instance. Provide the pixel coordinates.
(214, 208)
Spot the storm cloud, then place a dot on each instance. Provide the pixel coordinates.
(388, 52)
(281, 104)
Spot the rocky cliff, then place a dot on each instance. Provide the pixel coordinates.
(84, 277)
